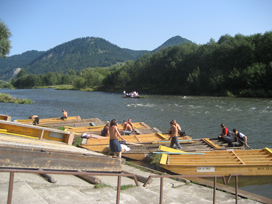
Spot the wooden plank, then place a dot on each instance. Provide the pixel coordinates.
(27, 158)
(210, 143)
(168, 149)
(238, 157)
(164, 158)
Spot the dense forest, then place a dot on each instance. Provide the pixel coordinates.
(239, 65)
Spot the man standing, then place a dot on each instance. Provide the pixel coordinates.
(114, 142)
(174, 135)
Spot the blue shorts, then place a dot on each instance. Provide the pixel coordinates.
(115, 145)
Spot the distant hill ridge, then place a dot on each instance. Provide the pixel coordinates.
(77, 54)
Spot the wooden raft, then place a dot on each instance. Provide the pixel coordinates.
(244, 162)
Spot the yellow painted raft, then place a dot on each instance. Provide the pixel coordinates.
(244, 162)
(97, 129)
(5, 117)
(50, 120)
(32, 131)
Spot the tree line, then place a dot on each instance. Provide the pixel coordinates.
(239, 65)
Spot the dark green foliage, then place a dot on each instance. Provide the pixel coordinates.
(5, 43)
(240, 65)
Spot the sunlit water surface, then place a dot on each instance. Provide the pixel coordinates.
(198, 116)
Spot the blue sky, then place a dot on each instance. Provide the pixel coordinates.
(134, 24)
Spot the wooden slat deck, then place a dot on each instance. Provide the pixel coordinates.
(247, 162)
(20, 152)
(50, 120)
(25, 130)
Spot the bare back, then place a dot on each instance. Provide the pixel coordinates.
(114, 133)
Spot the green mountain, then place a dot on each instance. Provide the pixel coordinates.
(76, 54)
(16, 61)
(177, 40)
(79, 54)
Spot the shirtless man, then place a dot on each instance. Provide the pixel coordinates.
(174, 135)
(127, 128)
(130, 122)
(105, 131)
(65, 114)
(114, 142)
(35, 119)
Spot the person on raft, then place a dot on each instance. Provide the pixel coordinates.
(115, 146)
(64, 115)
(35, 119)
(225, 135)
(173, 131)
(105, 131)
(127, 128)
(239, 137)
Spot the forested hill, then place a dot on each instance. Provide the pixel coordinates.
(76, 55)
(15, 61)
(177, 40)
(79, 54)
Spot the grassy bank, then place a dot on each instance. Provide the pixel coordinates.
(6, 98)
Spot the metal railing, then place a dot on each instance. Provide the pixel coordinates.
(119, 175)
(75, 173)
(198, 176)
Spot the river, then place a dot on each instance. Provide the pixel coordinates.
(198, 116)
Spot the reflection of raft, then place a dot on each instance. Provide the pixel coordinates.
(126, 96)
(244, 162)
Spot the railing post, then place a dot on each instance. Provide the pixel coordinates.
(214, 189)
(11, 181)
(236, 189)
(161, 190)
(118, 190)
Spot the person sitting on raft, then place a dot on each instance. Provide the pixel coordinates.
(239, 137)
(127, 128)
(64, 114)
(35, 119)
(105, 131)
(225, 135)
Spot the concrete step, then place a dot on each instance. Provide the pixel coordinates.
(22, 194)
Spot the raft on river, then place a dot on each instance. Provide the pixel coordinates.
(140, 127)
(32, 131)
(50, 120)
(5, 117)
(244, 162)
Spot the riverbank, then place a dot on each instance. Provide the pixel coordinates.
(6, 98)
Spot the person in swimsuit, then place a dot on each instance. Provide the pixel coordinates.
(174, 135)
(64, 114)
(114, 142)
(35, 119)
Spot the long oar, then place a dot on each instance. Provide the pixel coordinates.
(242, 141)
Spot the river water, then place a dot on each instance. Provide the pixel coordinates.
(198, 116)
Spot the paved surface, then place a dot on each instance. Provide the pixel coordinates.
(32, 188)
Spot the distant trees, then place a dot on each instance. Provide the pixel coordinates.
(5, 43)
(239, 65)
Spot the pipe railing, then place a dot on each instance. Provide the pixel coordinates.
(75, 173)
(198, 176)
(119, 175)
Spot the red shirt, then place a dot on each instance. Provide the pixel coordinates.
(225, 131)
